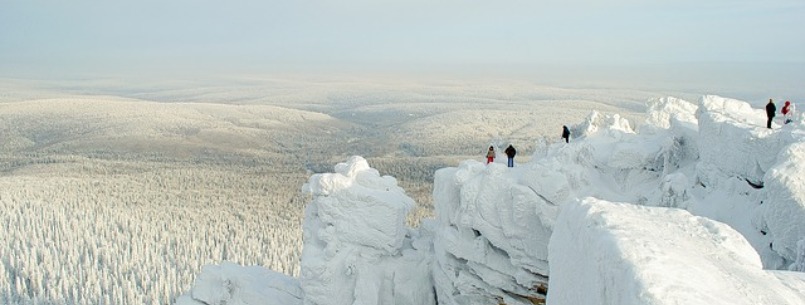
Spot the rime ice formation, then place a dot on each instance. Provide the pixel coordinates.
(357, 249)
(491, 236)
(799, 264)
(504, 235)
(609, 253)
(733, 125)
(229, 283)
(783, 213)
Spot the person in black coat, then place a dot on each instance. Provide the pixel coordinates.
(770, 111)
(510, 152)
(565, 133)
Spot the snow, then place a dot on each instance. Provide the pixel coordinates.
(609, 253)
(799, 264)
(783, 211)
(691, 207)
(357, 249)
(229, 283)
(490, 242)
(743, 150)
(355, 205)
(663, 111)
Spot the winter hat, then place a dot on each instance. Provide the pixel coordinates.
(787, 102)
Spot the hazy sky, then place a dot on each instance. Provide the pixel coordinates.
(50, 36)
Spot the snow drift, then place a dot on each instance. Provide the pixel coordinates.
(498, 236)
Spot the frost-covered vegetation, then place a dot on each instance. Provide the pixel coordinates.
(76, 234)
(119, 193)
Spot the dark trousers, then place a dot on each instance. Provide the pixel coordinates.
(768, 123)
(511, 161)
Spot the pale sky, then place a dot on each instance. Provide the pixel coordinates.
(49, 36)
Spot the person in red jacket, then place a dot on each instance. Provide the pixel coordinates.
(788, 112)
(490, 155)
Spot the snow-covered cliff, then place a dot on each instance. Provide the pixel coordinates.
(546, 228)
(491, 240)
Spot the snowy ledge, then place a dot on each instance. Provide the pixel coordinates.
(616, 253)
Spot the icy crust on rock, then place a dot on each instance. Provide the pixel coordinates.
(734, 142)
(782, 215)
(661, 165)
(664, 112)
(736, 146)
(609, 253)
(355, 205)
(230, 283)
(609, 160)
(799, 263)
(357, 249)
(716, 159)
(491, 243)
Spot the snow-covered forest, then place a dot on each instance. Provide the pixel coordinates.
(118, 193)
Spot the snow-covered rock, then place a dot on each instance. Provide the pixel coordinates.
(663, 112)
(782, 214)
(734, 141)
(357, 249)
(355, 205)
(595, 122)
(674, 120)
(736, 146)
(229, 283)
(491, 240)
(799, 263)
(610, 253)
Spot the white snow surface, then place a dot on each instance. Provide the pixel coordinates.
(357, 249)
(609, 253)
(783, 214)
(697, 205)
(491, 236)
(233, 284)
(733, 125)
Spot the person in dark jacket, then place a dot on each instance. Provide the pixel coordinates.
(565, 133)
(510, 152)
(770, 111)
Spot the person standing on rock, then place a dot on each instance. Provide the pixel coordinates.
(770, 111)
(490, 155)
(510, 152)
